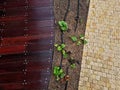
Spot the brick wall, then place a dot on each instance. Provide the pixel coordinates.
(100, 68)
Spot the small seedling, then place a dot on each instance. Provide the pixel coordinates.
(74, 38)
(85, 41)
(64, 53)
(81, 20)
(73, 65)
(79, 43)
(80, 40)
(71, 60)
(58, 73)
(82, 37)
(61, 48)
(63, 26)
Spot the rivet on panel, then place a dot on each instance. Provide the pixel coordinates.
(24, 73)
(25, 63)
(25, 83)
(25, 60)
(26, 7)
(50, 49)
(26, 1)
(25, 70)
(26, 14)
(51, 41)
(25, 35)
(47, 71)
(49, 61)
(25, 54)
(46, 79)
(49, 58)
(51, 34)
(25, 44)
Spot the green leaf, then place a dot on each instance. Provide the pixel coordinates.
(56, 70)
(63, 52)
(62, 75)
(62, 45)
(63, 28)
(59, 48)
(63, 25)
(85, 41)
(79, 43)
(74, 38)
(65, 55)
(60, 71)
(60, 23)
(82, 36)
(73, 66)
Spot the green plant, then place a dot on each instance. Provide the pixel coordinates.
(82, 36)
(58, 73)
(73, 65)
(79, 43)
(61, 48)
(74, 38)
(81, 20)
(64, 53)
(83, 40)
(80, 40)
(63, 26)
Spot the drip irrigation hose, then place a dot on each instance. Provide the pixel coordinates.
(66, 13)
(77, 16)
(62, 34)
(66, 84)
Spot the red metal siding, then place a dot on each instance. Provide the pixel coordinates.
(26, 44)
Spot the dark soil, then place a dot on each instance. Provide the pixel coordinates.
(59, 11)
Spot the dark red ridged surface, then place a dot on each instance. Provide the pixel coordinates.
(26, 44)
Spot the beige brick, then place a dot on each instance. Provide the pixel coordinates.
(98, 77)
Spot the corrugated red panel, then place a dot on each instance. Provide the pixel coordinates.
(26, 44)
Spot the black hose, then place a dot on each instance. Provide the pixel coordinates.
(77, 16)
(66, 84)
(66, 13)
(62, 34)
